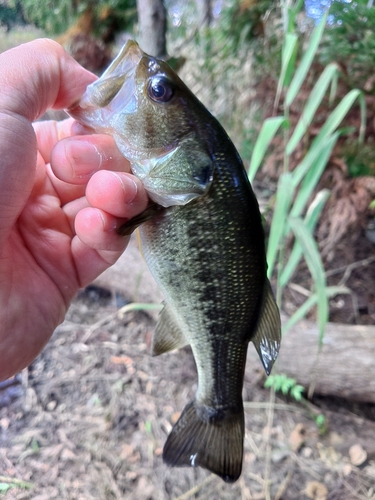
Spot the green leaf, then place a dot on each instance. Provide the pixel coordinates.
(310, 221)
(305, 165)
(4, 487)
(297, 391)
(277, 233)
(331, 291)
(287, 66)
(305, 65)
(315, 265)
(362, 128)
(313, 175)
(336, 117)
(312, 104)
(266, 134)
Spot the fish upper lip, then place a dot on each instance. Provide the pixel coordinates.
(121, 73)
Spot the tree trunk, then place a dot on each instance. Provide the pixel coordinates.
(204, 8)
(345, 366)
(152, 27)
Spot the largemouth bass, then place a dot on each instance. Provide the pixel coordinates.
(203, 240)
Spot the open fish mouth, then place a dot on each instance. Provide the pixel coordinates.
(112, 93)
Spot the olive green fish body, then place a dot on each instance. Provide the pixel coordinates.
(210, 266)
(209, 262)
(203, 241)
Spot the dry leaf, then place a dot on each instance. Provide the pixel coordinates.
(316, 490)
(175, 417)
(126, 451)
(67, 454)
(126, 361)
(297, 437)
(357, 454)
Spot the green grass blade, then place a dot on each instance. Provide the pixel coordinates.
(315, 265)
(362, 128)
(333, 91)
(313, 175)
(266, 134)
(303, 167)
(336, 117)
(307, 59)
(283, 201)
(312, 104)
(302, 311)
(290, 12)
(310, 221)
(287, 65)
(331, 124)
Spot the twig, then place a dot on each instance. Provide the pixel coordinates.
(300, 289)
(283, 486)
(267, 468)
(353, 265)
(304, 467)
(196, 488)
(134, 306)
(265, 406)
(15, 481)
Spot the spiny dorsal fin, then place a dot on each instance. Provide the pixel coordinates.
(198, 439)
(168, 334)
(268, 333)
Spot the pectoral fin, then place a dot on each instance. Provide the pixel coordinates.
(168, 334)
(268, 334)
(130, 226)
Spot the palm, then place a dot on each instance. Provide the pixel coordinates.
(60, 200)
(38, 266)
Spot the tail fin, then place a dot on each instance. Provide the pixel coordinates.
(208, 438)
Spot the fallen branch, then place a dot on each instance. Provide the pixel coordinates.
(344, 367)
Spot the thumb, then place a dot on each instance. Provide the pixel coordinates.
(34, 77)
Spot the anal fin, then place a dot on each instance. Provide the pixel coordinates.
(203, 437)
(168, 334)
(267, 337)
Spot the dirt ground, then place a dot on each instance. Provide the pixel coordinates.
(89, 418)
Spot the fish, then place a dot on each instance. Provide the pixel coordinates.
(203, 240)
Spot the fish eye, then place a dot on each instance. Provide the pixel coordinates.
(160, 89)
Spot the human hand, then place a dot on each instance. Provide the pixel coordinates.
(60, 200)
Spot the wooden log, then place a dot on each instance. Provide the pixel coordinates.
(345, 366)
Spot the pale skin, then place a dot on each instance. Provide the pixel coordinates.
(62, 196)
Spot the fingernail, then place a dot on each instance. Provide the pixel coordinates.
(129, 187)
(84, 157)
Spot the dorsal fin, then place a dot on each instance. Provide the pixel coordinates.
(267, 337)
(168, 334)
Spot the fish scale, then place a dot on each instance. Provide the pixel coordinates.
(203, 241)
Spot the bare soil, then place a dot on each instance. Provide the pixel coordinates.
(89, 418)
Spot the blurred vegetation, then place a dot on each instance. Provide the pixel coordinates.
(56, 16)
(350, 42)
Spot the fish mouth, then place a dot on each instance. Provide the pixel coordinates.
(114, 91)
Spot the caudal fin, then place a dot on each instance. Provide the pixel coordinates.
(208, 438)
